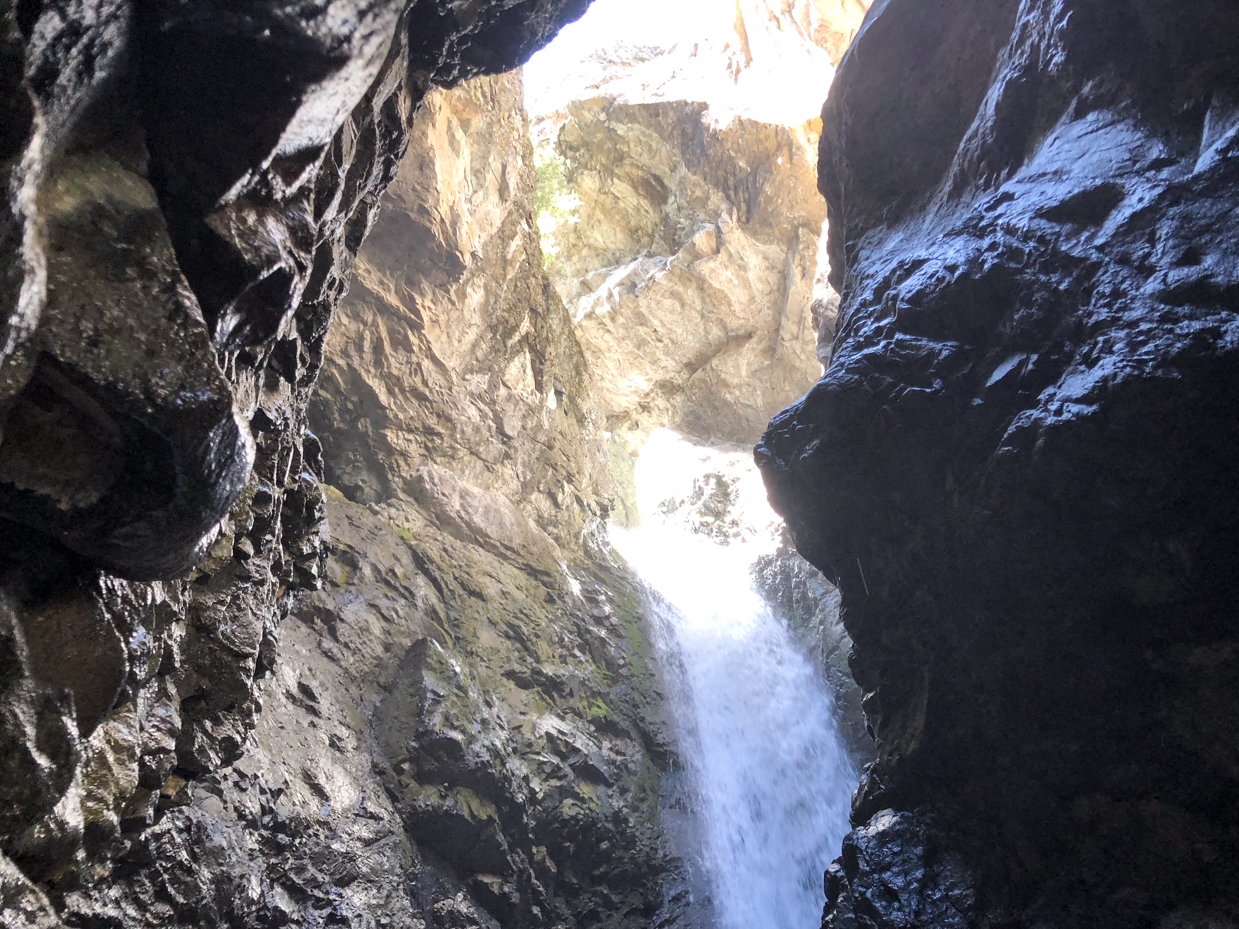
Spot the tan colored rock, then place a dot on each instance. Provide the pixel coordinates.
(462, 727)
(689, 263)
(832, 23)
(451, 350)
(506, 693)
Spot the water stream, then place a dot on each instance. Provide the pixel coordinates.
(770, 777)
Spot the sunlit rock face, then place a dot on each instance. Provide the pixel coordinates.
(766, 60)
(461, 727)
(451, 349)
(689, 263)
(185, 187)
(1019, 466)
(681, 223)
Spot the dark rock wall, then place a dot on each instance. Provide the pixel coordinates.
(1020, 465)
(452, 350)
(185, 188)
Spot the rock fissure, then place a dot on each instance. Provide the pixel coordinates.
(309, 612)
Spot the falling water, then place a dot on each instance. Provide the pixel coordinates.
(771, 778)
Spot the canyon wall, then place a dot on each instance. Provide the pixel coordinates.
(452, 350)
(462, 727)
(185, 191)
(1019, 466)
(678, 208)
(688, 262)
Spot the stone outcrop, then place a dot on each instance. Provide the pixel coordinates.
(689, 262)
(447, 739)
(185, 188)
(451, 349)
(1019, 465)
(462, 727)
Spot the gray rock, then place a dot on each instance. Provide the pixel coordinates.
(185, 189)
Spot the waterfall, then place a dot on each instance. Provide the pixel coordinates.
(771, 778)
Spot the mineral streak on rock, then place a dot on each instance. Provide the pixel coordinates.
(1020, 465)
(185, 188)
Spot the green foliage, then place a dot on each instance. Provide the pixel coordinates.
(554, 201)
(596, 709)
(552, 186)
(646, 791)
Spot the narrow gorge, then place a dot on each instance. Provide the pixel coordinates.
(546, 464)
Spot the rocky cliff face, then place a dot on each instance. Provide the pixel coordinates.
(449, 738)
(689, 254)
(520, 731)
(688, 262)
(185, 189)
(461, 729)
(1019, 465)
(452, 350)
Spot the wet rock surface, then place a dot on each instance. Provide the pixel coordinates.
(1019, 465)
(444, 741)
(186, 186)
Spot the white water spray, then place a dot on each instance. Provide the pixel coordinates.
(771, 777)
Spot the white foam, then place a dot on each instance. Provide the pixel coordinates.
(771, 776)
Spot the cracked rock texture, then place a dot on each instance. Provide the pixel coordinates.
(447, 739)
(689, 264)
(452, 350)
(1020, 465)
(185, 188)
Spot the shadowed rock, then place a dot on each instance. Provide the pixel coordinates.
(1019, 466)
